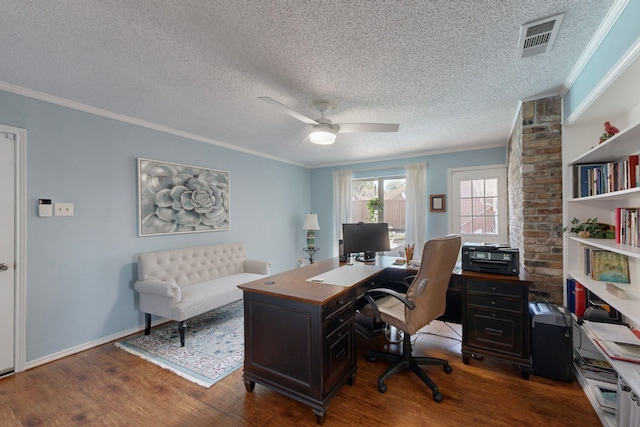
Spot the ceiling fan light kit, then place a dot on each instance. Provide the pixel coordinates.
(322, 137)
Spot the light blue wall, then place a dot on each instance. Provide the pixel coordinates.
(437, 165)
(624, 33)
(81, 269)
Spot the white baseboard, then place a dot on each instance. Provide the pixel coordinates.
(91, 344)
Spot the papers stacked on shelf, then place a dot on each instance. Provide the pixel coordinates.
(595, 369)
(617, 341)
(606, 395)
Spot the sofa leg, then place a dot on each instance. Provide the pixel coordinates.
(182, 327)
(147, 323)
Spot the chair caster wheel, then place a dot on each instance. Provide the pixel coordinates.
(437, 396)
(448, 369)
(382, 387)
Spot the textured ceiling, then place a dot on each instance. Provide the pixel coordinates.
(447, 71)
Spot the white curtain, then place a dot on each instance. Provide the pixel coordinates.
(416, 207)
(341, 201)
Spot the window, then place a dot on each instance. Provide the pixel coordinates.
(479, 204)
(391, 190)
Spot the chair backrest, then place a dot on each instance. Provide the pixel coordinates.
(428, 291)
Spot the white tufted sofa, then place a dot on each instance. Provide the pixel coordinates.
(182, 283)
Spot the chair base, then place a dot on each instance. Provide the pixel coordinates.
(407, 361)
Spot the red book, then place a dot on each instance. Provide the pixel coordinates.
(633, 162)
(581, 300)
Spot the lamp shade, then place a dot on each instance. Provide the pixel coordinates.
(323, 136)
(311, 222)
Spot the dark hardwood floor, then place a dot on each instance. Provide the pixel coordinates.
(108, 386)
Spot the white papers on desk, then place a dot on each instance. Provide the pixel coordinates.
(347, 275)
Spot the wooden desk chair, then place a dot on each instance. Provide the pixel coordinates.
(424, 301)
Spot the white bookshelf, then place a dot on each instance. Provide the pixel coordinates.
(580, 146)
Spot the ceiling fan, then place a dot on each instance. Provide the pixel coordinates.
(324, 131)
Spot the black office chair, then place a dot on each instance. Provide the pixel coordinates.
(424, 301)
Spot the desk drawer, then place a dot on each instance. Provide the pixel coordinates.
(495, 302)
(339, 355)
(337, 304)
(500, 333)
(338, 319)
(495, 288)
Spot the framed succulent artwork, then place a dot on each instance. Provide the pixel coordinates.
(176, 198)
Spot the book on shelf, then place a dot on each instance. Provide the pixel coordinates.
(627, 230)
(580, 303)
(571, 294)
(605, 266)
(599, 178)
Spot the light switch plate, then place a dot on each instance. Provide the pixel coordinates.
(45, 210)
(63, 209)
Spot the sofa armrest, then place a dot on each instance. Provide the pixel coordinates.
(158, 288)
(257, 267)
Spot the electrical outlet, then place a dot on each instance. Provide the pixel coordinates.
(63, 209)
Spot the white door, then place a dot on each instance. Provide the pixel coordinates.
(7, 252)
(478, 206)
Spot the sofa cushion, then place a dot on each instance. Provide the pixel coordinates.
(204, 296)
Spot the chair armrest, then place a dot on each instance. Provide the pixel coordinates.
(390, 292)
(257, 267)
(407, 280)
(162, 289)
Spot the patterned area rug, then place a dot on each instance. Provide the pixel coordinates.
(214, 345)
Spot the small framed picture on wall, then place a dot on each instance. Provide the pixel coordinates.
(437, 203)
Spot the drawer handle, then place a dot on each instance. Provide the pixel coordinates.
(492, 331)
(341, 353)
(493, 288)
(340, 302)
(341, 320)
(493, 302)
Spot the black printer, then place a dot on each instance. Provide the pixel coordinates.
(493, 258)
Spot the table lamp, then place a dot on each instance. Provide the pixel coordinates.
(311, 224)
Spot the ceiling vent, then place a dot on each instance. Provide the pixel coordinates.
(538, 37)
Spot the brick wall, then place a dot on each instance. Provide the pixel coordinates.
(535, 195)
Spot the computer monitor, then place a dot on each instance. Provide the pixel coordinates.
(365, 237)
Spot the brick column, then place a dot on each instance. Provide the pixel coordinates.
(535, 195)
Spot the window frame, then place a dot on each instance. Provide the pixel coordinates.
(380, 180)
(455, 175)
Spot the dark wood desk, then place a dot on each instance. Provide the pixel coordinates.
(300, 336)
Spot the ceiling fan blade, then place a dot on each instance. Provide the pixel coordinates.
(289, 111)
(367, 127)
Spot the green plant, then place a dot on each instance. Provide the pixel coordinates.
(374, 206)
(590, 228)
